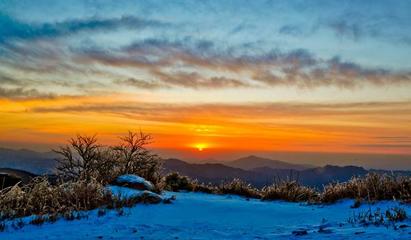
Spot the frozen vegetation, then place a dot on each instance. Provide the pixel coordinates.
(210, 216)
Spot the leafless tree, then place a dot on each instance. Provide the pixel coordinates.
(83, 158)
(79, 158)
(135, 158)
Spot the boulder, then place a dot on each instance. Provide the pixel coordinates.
(133, 181)
(150, 197)
(143, 196)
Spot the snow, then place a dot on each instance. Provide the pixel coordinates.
(134, 179)
(205, 216)
(125, 192)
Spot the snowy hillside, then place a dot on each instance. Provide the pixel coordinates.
(204, 216)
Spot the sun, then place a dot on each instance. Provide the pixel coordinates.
(200, 146)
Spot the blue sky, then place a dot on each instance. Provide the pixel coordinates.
(366, 39)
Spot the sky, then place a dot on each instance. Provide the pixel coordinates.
(209, 78)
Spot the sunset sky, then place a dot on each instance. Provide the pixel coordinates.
(217, 76)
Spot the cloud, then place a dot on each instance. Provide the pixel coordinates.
(15, 29)
(137, 83)
(195, 80)
(244, 110)
(23, 94)
(407, 146)
(344, 29)
(198, 64)
(292, 30)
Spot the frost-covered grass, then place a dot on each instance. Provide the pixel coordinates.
(210, 216)
(372, 187)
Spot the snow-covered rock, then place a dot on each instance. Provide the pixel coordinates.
(133, 181)
(125, 192)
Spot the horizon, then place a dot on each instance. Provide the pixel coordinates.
(394, 162)
(302, 82)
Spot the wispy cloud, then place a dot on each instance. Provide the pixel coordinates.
(23, 94)
(15, 29)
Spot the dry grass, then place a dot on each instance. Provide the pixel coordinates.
(378, 217)
(41, 198)
(289, 191)
(49, 202)
(238, 187)
(372, 187)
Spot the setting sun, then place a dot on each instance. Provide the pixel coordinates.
(200, 146)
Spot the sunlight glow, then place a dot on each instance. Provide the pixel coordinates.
(201, 146)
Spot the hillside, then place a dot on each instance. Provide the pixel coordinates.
(204, 216)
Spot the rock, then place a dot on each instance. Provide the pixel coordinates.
(150, 197)
(143, 196)
(300, 232)
(133, 181)
(403, 226)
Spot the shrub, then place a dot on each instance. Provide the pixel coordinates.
(377, 217)
(372, 187)
(40, 198)
(240, 188)
(289, 191)
(175, 182)
(396, 214)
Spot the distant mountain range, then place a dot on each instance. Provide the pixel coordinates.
(31, 161)
(216, 173)
(262, 171)
(255, 170)
(252, 162)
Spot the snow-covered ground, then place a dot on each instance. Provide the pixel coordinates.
(204, 216)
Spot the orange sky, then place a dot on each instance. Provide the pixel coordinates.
(289, 126)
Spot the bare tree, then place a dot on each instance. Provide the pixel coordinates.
(83, 158)
(79, 158)
(135, 158)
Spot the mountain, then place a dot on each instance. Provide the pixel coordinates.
(261, 176)
(31, 161)
(207, 172)
(251, 162)
(315, 176)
